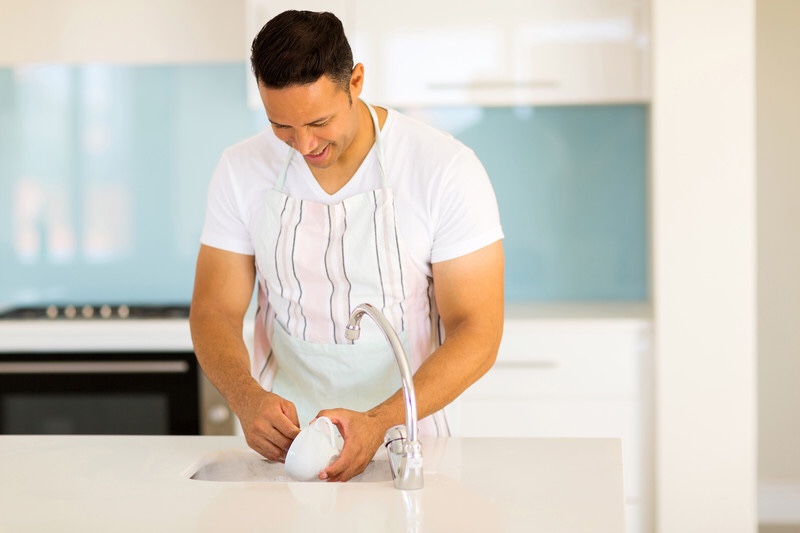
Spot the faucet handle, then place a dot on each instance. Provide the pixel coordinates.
(405, 458)
(395, 436)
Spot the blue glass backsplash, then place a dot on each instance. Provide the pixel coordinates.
(104, 168)
(571, 183)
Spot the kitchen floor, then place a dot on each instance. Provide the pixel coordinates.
(776, 528)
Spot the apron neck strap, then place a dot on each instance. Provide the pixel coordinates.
(378, 144)
(378, 147)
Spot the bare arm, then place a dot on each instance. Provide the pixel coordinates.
(222, 292)
(469, 295)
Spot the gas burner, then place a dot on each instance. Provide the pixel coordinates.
(95, 312)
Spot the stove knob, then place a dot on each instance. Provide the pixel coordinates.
(87, 311)
(105, 311)
(123, 311)
(52, 311)
(70, 311)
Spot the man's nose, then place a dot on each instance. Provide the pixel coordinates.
(304, 141)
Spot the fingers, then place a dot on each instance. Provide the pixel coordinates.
(279, 441)
(360, 442)
(287, 425)
(290, 411)
(267, 449)
(272, 427)
(268, 441)
(343, 469)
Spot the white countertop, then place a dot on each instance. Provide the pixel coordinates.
(71, 335)
(579, 312)
(127, 483)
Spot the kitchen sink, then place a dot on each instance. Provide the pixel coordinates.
(248, 466)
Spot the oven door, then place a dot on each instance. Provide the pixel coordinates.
(99, 393)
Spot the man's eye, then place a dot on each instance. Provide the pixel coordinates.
(321, 124)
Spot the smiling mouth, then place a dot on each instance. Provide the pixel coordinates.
(319, 154)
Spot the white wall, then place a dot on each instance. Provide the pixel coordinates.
(121, 31)
(778, 106)
(704, 265)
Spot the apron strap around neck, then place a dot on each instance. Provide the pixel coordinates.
(284, 171)
(378, 144)
(378, 148)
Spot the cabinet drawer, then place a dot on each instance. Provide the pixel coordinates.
(558, 378)
(566, 359)
(531, 339)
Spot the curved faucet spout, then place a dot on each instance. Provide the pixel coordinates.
(353, 331)
(404, 452)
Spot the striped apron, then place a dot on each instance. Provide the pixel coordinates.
(315, 263)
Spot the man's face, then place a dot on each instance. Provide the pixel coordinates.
(318, 120)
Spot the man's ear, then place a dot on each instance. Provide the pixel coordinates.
(357, 81)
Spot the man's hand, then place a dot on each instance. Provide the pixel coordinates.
(362, 433)
(270, 424)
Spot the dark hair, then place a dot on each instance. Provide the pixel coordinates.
(298, 47)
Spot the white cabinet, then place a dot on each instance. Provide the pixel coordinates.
(419, 53)
(121, 32)
(570, 378)
(514, 52)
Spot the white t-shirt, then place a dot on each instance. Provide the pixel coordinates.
(444, 200)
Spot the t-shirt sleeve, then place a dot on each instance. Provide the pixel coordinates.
(468, 218)
(225, 226)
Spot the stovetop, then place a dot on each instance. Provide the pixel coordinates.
(95, 312)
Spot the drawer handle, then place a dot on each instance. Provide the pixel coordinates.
(495, 85)
(99, 367)
(549, 365)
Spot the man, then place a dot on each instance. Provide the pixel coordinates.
(366, 206)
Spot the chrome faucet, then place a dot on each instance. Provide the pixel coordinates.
(402, 445)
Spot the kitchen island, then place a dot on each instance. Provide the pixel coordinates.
(143, 483)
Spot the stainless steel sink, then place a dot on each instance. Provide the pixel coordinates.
(248, 466)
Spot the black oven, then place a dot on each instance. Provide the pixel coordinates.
(105, 370)
(102, 392)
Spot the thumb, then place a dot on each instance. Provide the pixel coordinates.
(290, 411)
(339, 465)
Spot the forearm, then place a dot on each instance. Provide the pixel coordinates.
(222, 354)
(466, 355)
(463, 359)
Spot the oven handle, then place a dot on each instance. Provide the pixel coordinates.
(96, 367)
